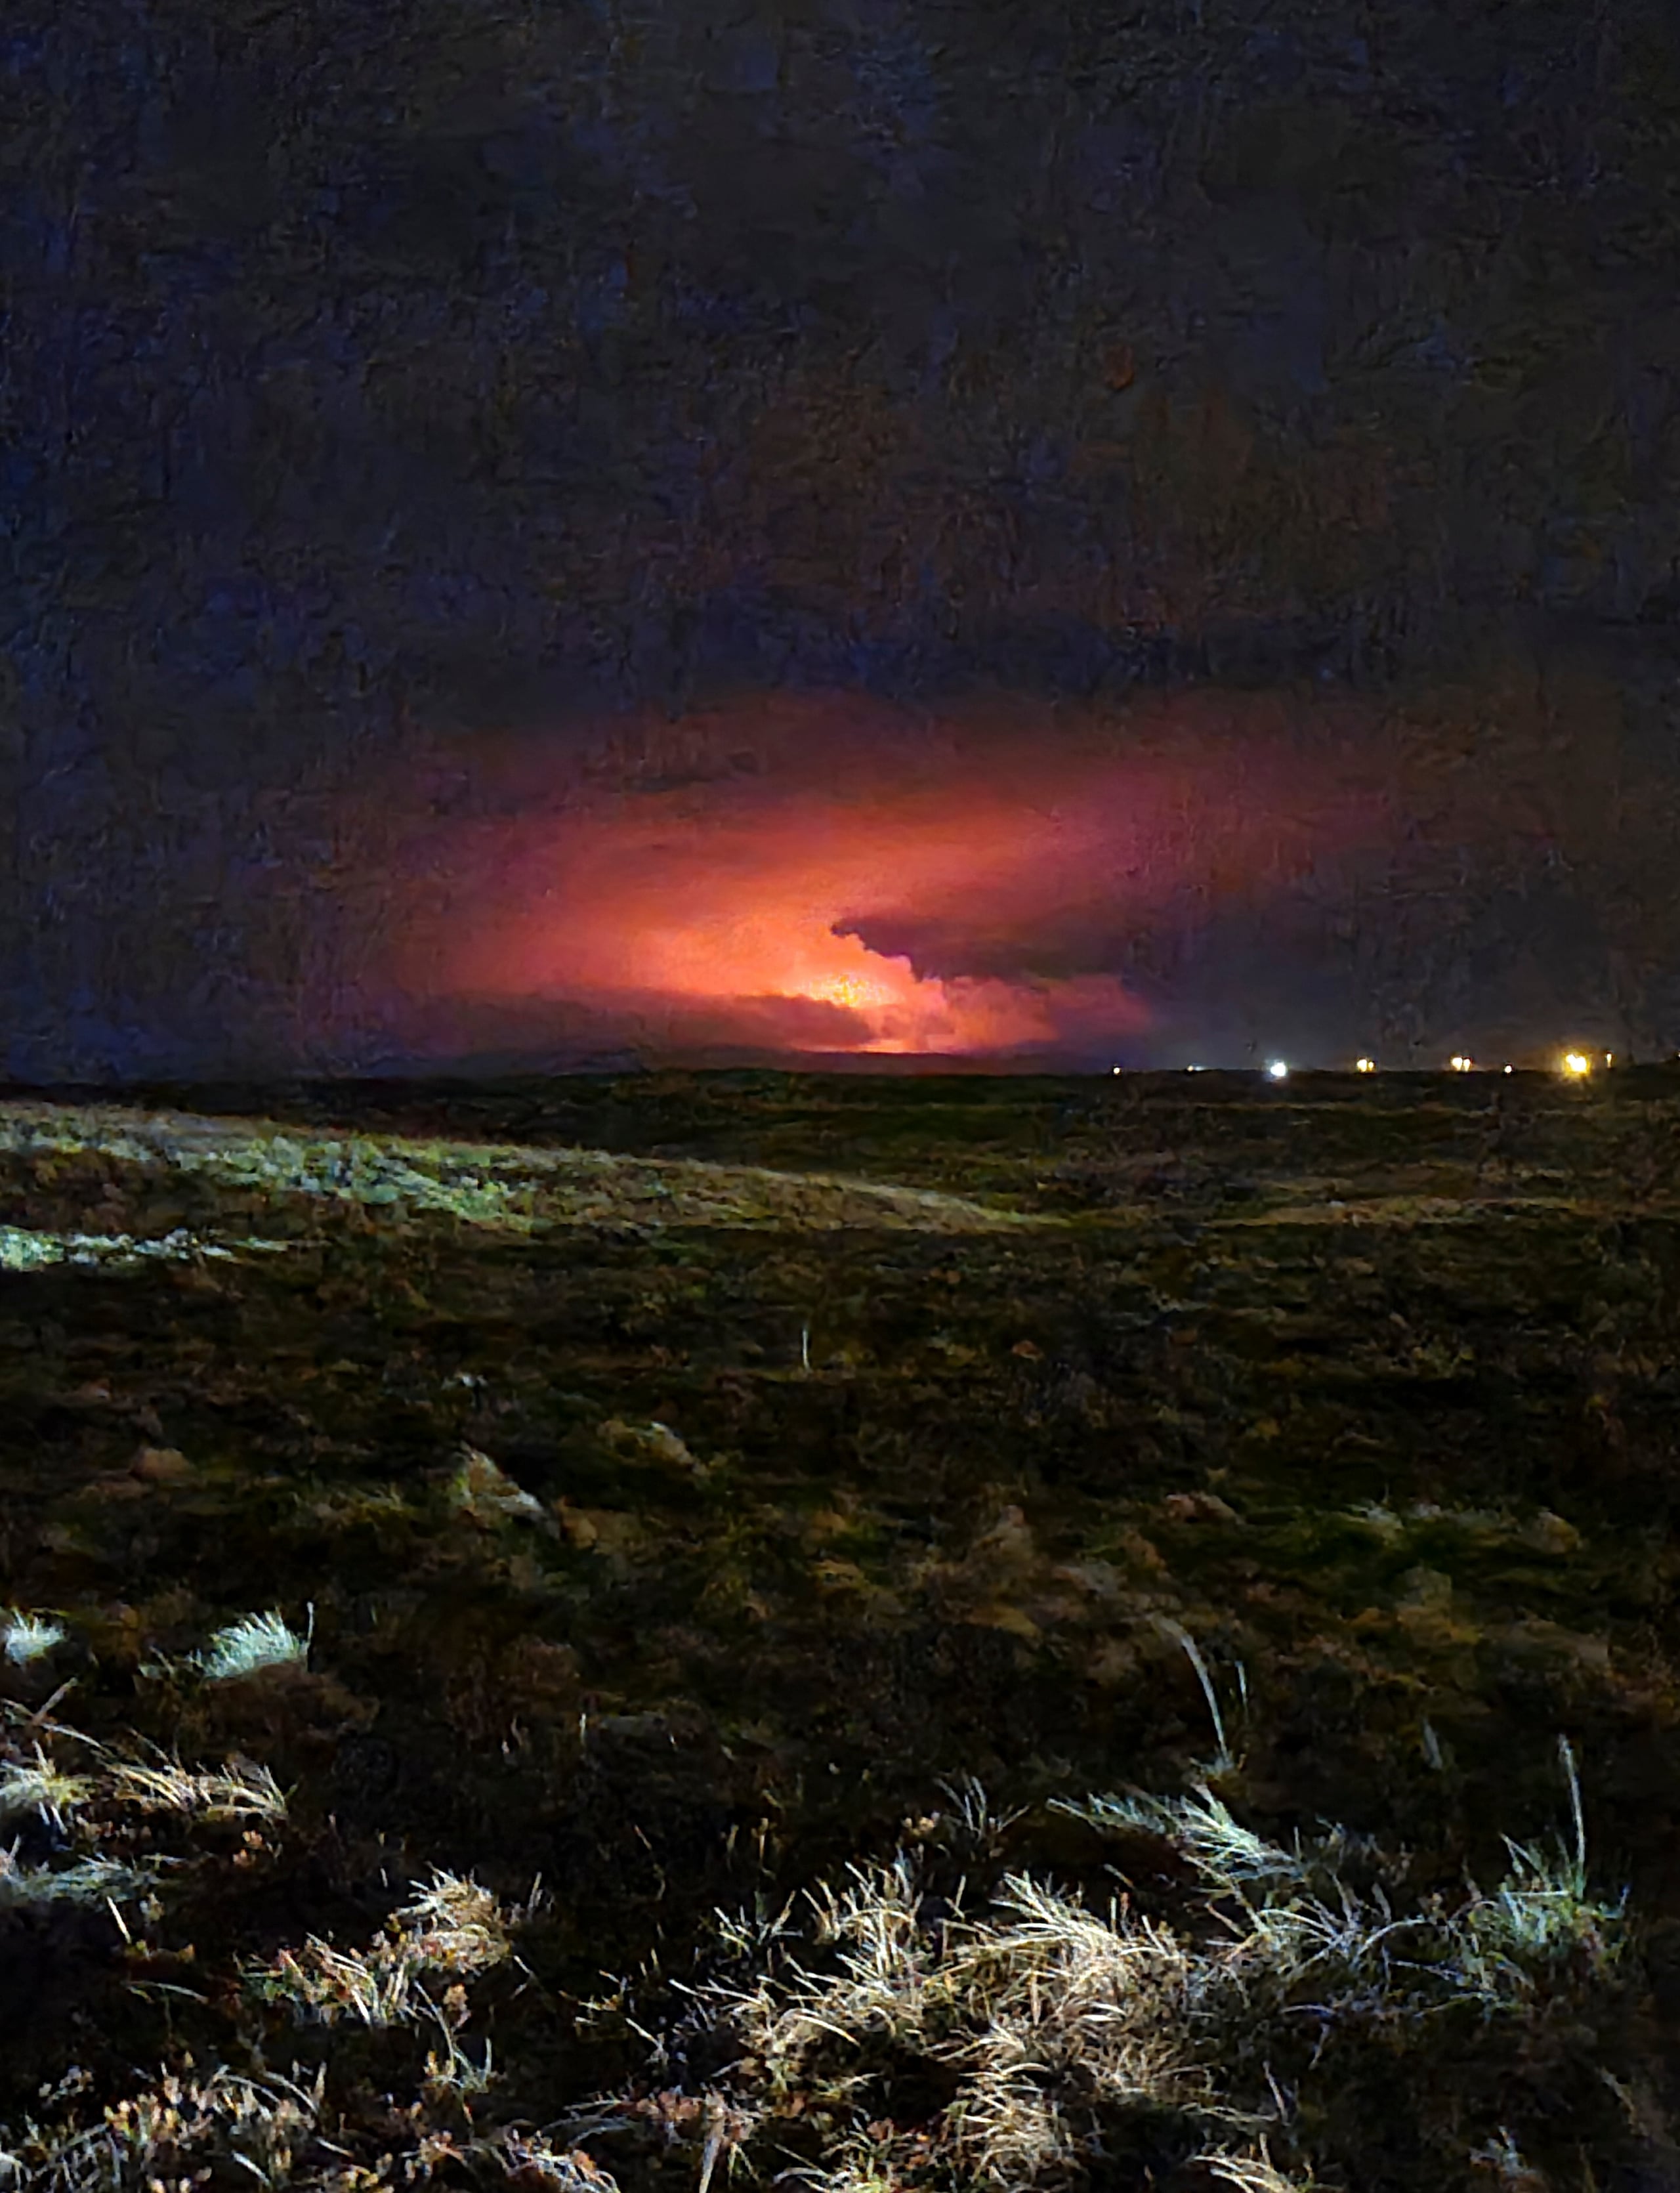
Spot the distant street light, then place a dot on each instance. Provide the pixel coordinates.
(1576, 1065)
(1364, 1066)
(1278, 1070)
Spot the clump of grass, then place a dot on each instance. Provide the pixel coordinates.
(1541, 1916)
(78, 1811)
(1502, 2156)
(23, 1250)
(1060, 2030)
(1496, 1948)
(1044, 2014)
(453, 1926)
(972, 1824)
(240, 1791)
(1199, 1825)
(260, 1642)
(325, 1984)
(186, 2128)
(92, 1881)
(24, 1638)
(452, 2076)
(173, 2133)
(1071, 2014)
(40, 1787)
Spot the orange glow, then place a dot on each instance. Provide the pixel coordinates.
(901, 897)
(731, 907)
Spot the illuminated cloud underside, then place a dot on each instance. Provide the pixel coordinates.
(864, 907)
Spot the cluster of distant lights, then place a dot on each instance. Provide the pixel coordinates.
(1573, 1065)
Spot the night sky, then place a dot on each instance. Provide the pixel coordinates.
(550, 532)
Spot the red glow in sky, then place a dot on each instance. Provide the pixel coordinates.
(938, 893)
(668, 899)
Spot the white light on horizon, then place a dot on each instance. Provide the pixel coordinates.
(1278, 1069)
(1364, 1066)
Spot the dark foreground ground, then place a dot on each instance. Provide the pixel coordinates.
(672, 1536)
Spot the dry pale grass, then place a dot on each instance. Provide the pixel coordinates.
(248, 1647)
(1053, 2025)
(453, 1927)
(1054, 2022)
(170, 2134)
(1043, 2003)
(186, 2129)
(240, 1791)
(40, 1786)
(83, 1810)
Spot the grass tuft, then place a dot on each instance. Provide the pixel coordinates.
(1199, 1826)
(92, 1881)
(244, 1648)
(28, 1637)
(1054, 2026)
(42, 1788)
(179, 2131)
(453, 1926)
(240, 1791)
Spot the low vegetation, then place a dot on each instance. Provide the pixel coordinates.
(1142, 1655)
(938, 2017)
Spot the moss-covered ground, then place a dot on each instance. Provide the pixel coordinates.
(703, 1542)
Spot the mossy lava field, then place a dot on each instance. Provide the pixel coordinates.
(860, 1632)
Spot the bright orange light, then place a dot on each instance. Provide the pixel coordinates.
(851, 990)
(837, 901)
(1576, 1065)
(1364, 1066)
(1461, 1064)
(744, 913)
